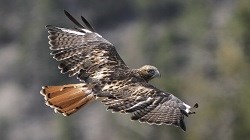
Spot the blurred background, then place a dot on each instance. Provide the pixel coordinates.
(202, 49)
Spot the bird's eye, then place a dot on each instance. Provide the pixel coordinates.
(151, 71)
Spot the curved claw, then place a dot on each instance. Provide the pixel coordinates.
(196, 105)
(191, 112)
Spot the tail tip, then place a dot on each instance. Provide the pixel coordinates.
(42, 92)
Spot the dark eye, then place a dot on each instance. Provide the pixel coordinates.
(150, 71)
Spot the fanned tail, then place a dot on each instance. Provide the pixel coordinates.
(67, 99)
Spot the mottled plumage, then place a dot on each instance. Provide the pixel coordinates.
(95, 61)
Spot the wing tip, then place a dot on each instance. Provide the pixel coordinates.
(65, 12)
(73, 19)
(182, 125)
(50, 27)
(89, 26)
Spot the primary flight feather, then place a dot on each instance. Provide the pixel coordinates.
(103, 74)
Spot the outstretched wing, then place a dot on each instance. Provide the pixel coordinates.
(82, 51)
(146, 103)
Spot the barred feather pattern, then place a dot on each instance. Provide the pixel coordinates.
(81, 51)
(147, 104)
(95, 61)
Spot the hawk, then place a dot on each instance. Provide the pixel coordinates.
(104, 75)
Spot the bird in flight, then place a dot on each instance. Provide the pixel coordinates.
(104, 75)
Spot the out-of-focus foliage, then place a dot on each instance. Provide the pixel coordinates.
(202, 49)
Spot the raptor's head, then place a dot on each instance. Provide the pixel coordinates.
(148, 72)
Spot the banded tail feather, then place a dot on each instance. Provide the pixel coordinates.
(67, 99)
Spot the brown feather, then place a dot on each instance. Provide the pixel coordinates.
(85, 53)
(67, 99)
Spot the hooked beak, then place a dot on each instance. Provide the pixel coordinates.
(157, 74)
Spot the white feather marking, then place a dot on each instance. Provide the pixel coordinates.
(187, 107)
(86, 90)
(99, 35)
(140, 103)
(87, 31)
(106, 87)
(99, 75)
(71, 31)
